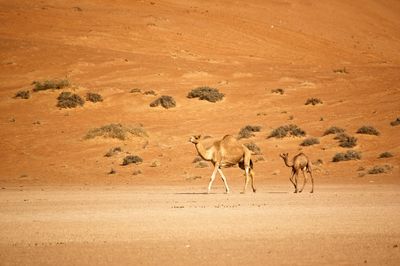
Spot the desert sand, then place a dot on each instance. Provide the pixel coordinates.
(60, 201)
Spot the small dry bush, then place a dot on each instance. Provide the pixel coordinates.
(347, 156)
(132, 159)
(313, 101)
(93, 97)
(69, 100)
(333, 130)
(309, 142)
(341, 70)
(150, 92)
(395, 122)
(385, 154)
(113, 151)
(278, 91)
(368, 130)
(22, 95)
(116, 131)
(165, 101)
(54, 84)
(346, 141)
(206, 93)
(254, 148)
(247, 131)
(379, 169)
(287, 131)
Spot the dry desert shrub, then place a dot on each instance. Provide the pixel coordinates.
(93, 97)
(69, 100)
(132, 159)
(379, 169)
(254, 148)
(385, 154)
(247, 131)
(135, 90)
(206, 93)
(309, 142)
(116, 131)
(341, 71)
(333, 130)
(22, 94)
(165, 101)
(54, 84)
(113, 151)
(346, 141)
(150, 92)
(368, 130)
(287, 131)
(347, 156)
(313, 101)
(395, 122)
(278, 91)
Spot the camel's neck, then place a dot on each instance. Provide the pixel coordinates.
(286, 160)
(203, 152)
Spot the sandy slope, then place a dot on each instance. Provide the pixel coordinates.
(348, 225)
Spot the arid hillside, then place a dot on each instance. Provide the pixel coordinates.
(268, 58)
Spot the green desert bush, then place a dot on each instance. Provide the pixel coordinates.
(313, 101)
(287, 131)
(346, 141)
(206, 93)
(54, 84)
(93, 97)
(309, 142)
(385, 154)
(69, 100)
(116, 131)
(368, 130)
(278, 91)
(132, 159)
(22, 94)
(395, 122)
(165, 101)
(247, 131)
(254, 148)
(347, 156)
(333, 130)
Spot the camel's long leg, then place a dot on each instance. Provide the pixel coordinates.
(304, 181)
(291, 180)
(247, 179)
(216, 167)
(223, 179)
(312, 182)
(252, 180)
(296, 175)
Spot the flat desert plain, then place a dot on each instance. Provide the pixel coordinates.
(69, 196)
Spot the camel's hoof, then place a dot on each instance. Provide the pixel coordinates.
(227, 192)
(295, 191)
(312, 191)
(300, 191)
(242, 192)
(254, 190)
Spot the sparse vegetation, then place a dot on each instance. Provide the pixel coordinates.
(287, 131)
(368, 130)
(150, 92)
(347, 156)
(395, 122)
(201, 164)
(116, 131)
(22, 95)
(93, 97)
(165, 101)
(113, 151)
(254, 148)
(206, 93)
(112, 171)
(379, 169)
(333, 130)
(346, 141)
(247, 131)
(136, 90)
(132, 159)
(54, 84)
(341, 71)
(69, 100)
(313, 101)
(278, 91)
(309, 142)
(385, 155)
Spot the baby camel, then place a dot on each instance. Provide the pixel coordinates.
(299, 162)
(226, 153)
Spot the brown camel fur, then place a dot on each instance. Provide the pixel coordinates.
(299, 162)
(226, 153)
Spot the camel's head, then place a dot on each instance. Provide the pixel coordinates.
(284, 155)
(195, 139)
